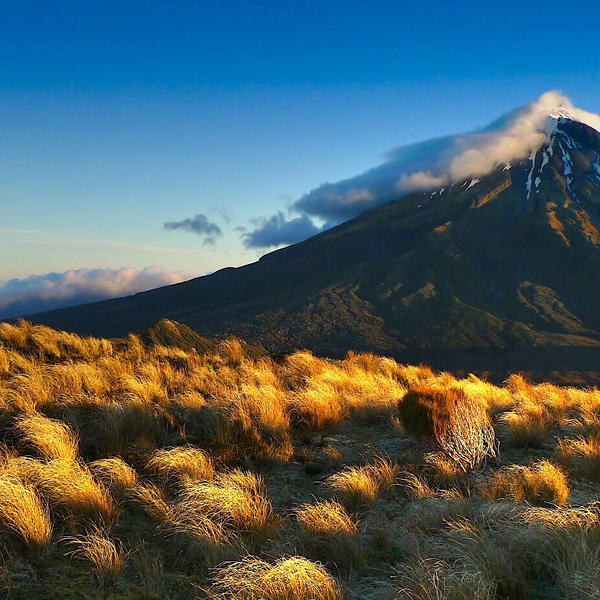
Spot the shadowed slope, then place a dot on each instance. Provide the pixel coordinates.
(493, 275)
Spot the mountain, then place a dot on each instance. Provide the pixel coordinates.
(491, 274)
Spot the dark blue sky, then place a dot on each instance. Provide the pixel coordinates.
(151, 45)
(117, 117)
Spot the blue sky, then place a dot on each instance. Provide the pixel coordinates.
(117, 117)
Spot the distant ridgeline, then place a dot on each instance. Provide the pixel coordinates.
(489, 275)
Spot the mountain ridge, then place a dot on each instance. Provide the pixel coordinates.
(497, 272)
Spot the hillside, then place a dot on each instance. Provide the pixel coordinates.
(140, 471)
(493, 275)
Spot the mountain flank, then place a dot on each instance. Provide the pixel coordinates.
(493, 274)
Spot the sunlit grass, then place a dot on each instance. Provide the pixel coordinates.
(23, 514)
(240, 477)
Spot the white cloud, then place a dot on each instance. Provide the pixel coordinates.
(55, 290)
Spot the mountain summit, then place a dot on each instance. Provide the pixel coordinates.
(491, 273)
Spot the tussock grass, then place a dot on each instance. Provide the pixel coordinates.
(294, 578)
(235, 501)
(329, 534)
(106, 556)
(50, 438)
(325, 517)
(153, 500)
(431, 579)
(181, 462)
(542, 483)
(115, 474)
(70, 488)
(179, 438)
(581, 456)
(23, 514)
(359, 486)
(446, 417)
(414, 486)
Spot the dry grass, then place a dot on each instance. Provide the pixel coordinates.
(542, 483)
(48, 437)
(294, 578)
(235, 502)
(325, 517)
(115, 474)
(414, 486)
(446, 417)
(179, 438)
(23, 514)
(154, 502)
(359, 487)
(431, 579)
(581, 456)
(69, 488)
(329, 534)
(180, 463)
(106, 556)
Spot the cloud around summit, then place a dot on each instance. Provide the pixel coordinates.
(418, 167)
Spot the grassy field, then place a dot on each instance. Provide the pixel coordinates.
(130, 470)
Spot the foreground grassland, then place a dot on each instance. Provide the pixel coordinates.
(135, 471)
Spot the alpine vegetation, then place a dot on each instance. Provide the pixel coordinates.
(149, 469)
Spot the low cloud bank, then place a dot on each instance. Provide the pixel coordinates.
(38, 293)
(420, 167)
(200, 225)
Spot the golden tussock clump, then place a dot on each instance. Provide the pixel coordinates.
(235, 501)
(115, 474)
(69, 487)
(359, 487)
(48, 437)
(325, 517)
(581, 456)
(542, 483)
(447, 418)
(181, 462)
(414, 486)
(329, 534)
(106, 556)
(23, 514)
(294, 578)
(152, 499)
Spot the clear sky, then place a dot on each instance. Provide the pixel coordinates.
(119, 117)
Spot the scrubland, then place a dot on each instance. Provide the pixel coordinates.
(135, 471)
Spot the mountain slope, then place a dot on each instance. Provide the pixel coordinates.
(496, 274)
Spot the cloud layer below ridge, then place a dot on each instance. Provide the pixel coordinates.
(57, 290)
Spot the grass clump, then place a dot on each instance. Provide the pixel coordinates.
(294, 578)
(581, 456)
(180, 463)
(328, 533)
(431, 579)
(447, 418)
(23, 514)
(359, 487)
(235, 502)
(115, 474)
(106, 556)
(542, 483)
(70, 489)
(50, 438)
